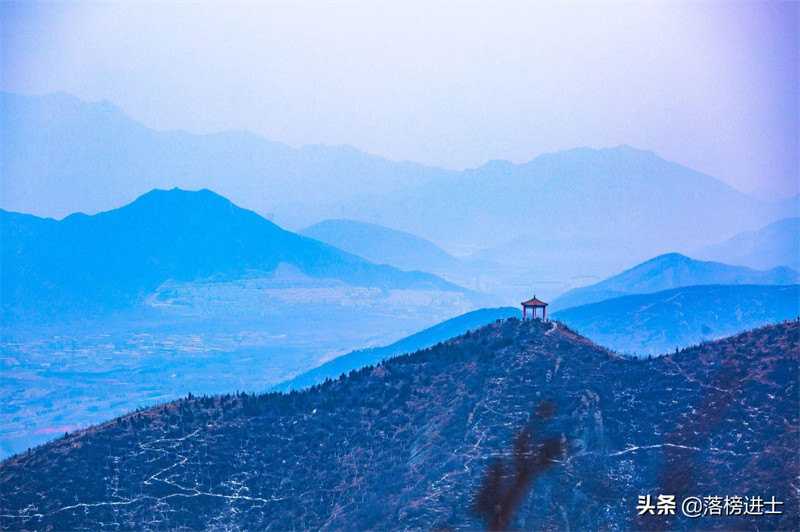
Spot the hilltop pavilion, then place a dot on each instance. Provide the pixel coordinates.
(533, 304)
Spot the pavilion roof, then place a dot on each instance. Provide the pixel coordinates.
(534, 303)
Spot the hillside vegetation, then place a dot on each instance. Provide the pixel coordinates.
(525, 422)
(372, 356)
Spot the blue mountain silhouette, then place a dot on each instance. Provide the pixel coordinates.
(672, 270)
(117, 257)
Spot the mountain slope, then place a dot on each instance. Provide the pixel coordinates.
(622, 196)
(421, 340)
(672, 271)
(777, 244)
(382, 245)
(524, 419)
(405, 251)
(659, 322)
(117, 257)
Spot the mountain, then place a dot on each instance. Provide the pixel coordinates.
(672, 270)
(659, 322)
(63, 155)
(421, 340)
(118, 257)
(382, 245)
(405, 251)
(777, 244)
(633, 201)
(518, 425)
(557, 266)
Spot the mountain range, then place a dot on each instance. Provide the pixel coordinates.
(118, 257)
(672, 270)
(518, 425)
(632, 202)
(481, 420)
(653, 324)
(777, 244)
(64, 155)
(405, 251)
(382, 245)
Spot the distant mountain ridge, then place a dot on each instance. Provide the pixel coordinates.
(527, 417)
(382, 245)
(65, 155)
(117, 257)
(620, 196)
(656, 323)
(672, 270)
(777, 244)
(405, 251)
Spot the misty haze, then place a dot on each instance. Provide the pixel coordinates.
(356, 266)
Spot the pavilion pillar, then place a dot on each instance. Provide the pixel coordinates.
(524, 313)
(544, 313)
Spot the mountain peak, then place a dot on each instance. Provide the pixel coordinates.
(627, 148)
(671, 270)
(182, 194)
(582, 155)
(118, 257)
(668, 258)
(182, 200)
(628, 153)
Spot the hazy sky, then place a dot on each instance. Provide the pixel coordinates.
(713, 85)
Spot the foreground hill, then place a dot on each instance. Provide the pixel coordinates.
(655, 323)
(372, 356)
(118, 257)
(672, 271)
(777, 244)
(523, 425)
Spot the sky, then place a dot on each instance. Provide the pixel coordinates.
(711, 85)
